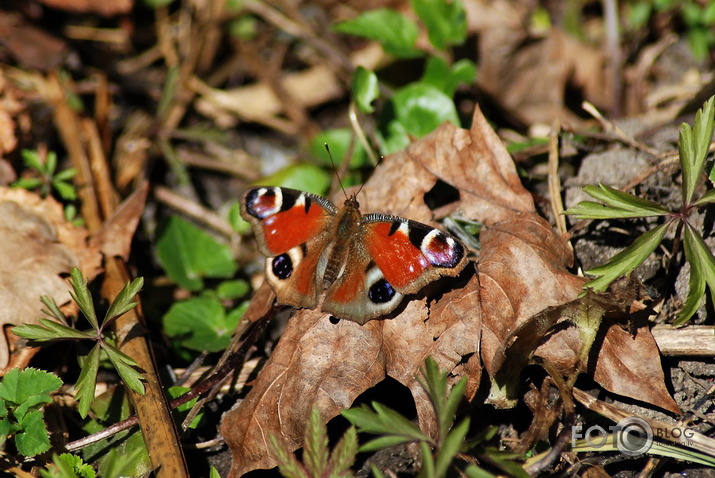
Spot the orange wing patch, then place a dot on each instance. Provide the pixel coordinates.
(398, 259)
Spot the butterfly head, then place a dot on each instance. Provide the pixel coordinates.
(352, 202)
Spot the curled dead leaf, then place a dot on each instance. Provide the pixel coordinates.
(38, 250)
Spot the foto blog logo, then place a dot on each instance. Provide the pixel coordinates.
(632, 436)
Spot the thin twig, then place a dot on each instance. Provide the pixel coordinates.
(611, 127)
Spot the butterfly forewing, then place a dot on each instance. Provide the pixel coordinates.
(285, 218)
(411, 254)
(291, 228)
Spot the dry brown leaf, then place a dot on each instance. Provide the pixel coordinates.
(114, 239)
(527, 72)
(31, 46)
(522, 270)
(38, 248)
(630, 365)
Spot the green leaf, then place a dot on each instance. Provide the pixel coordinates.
(124, 301)
(707, 198)
(31, 158)
(383, 442)
(473, 471)
(68, 466)
(343, 455)
(383, 421)
(21, 386)
(238, 224)
(121, 463)
(618, 205)
(201, 324)
(394, 138)
(28, 183)
(306, 177)
(627, 260)
(694, 144)
(184, 409)
(446, 78)
(365, 89)
(315, 447)
(50, 330)
(50, 163)
(188, 254)
(428, 470)
(421, 108)
(33, 439)
(213, 473)
(340, 141)
(83, 297)
(446, 21)
(702, 272)
(376, 472)
(65, 175)
(53, 309)
(87, 381)
(288, 464)
(639, 13)
(396, 33)
(232, 289)
(124, 366)
(65, 190)
(450, 447)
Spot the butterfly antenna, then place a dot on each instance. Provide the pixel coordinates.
(335, 169)
(374, 166)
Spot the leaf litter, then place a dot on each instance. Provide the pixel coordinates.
(521, 270)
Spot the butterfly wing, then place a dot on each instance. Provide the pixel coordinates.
(292, 231)
(393, 257)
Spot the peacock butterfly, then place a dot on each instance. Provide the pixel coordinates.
(353, 266)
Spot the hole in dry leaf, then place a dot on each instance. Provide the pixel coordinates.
(440, 195)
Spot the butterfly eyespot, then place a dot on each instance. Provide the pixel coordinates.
(264, 202)
(381, 292)
(441, 250)
(282, 266)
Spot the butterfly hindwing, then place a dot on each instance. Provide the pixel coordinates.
(361, 293)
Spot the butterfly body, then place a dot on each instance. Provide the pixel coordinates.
(353, 266)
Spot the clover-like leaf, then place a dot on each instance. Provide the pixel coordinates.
(396, 33)
(365, 89)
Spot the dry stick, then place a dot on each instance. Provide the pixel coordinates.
(615, 60)
(196, 391)
(554, 181)
(610, 126)
(157, 425)
(274, 16)
(193, 210)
